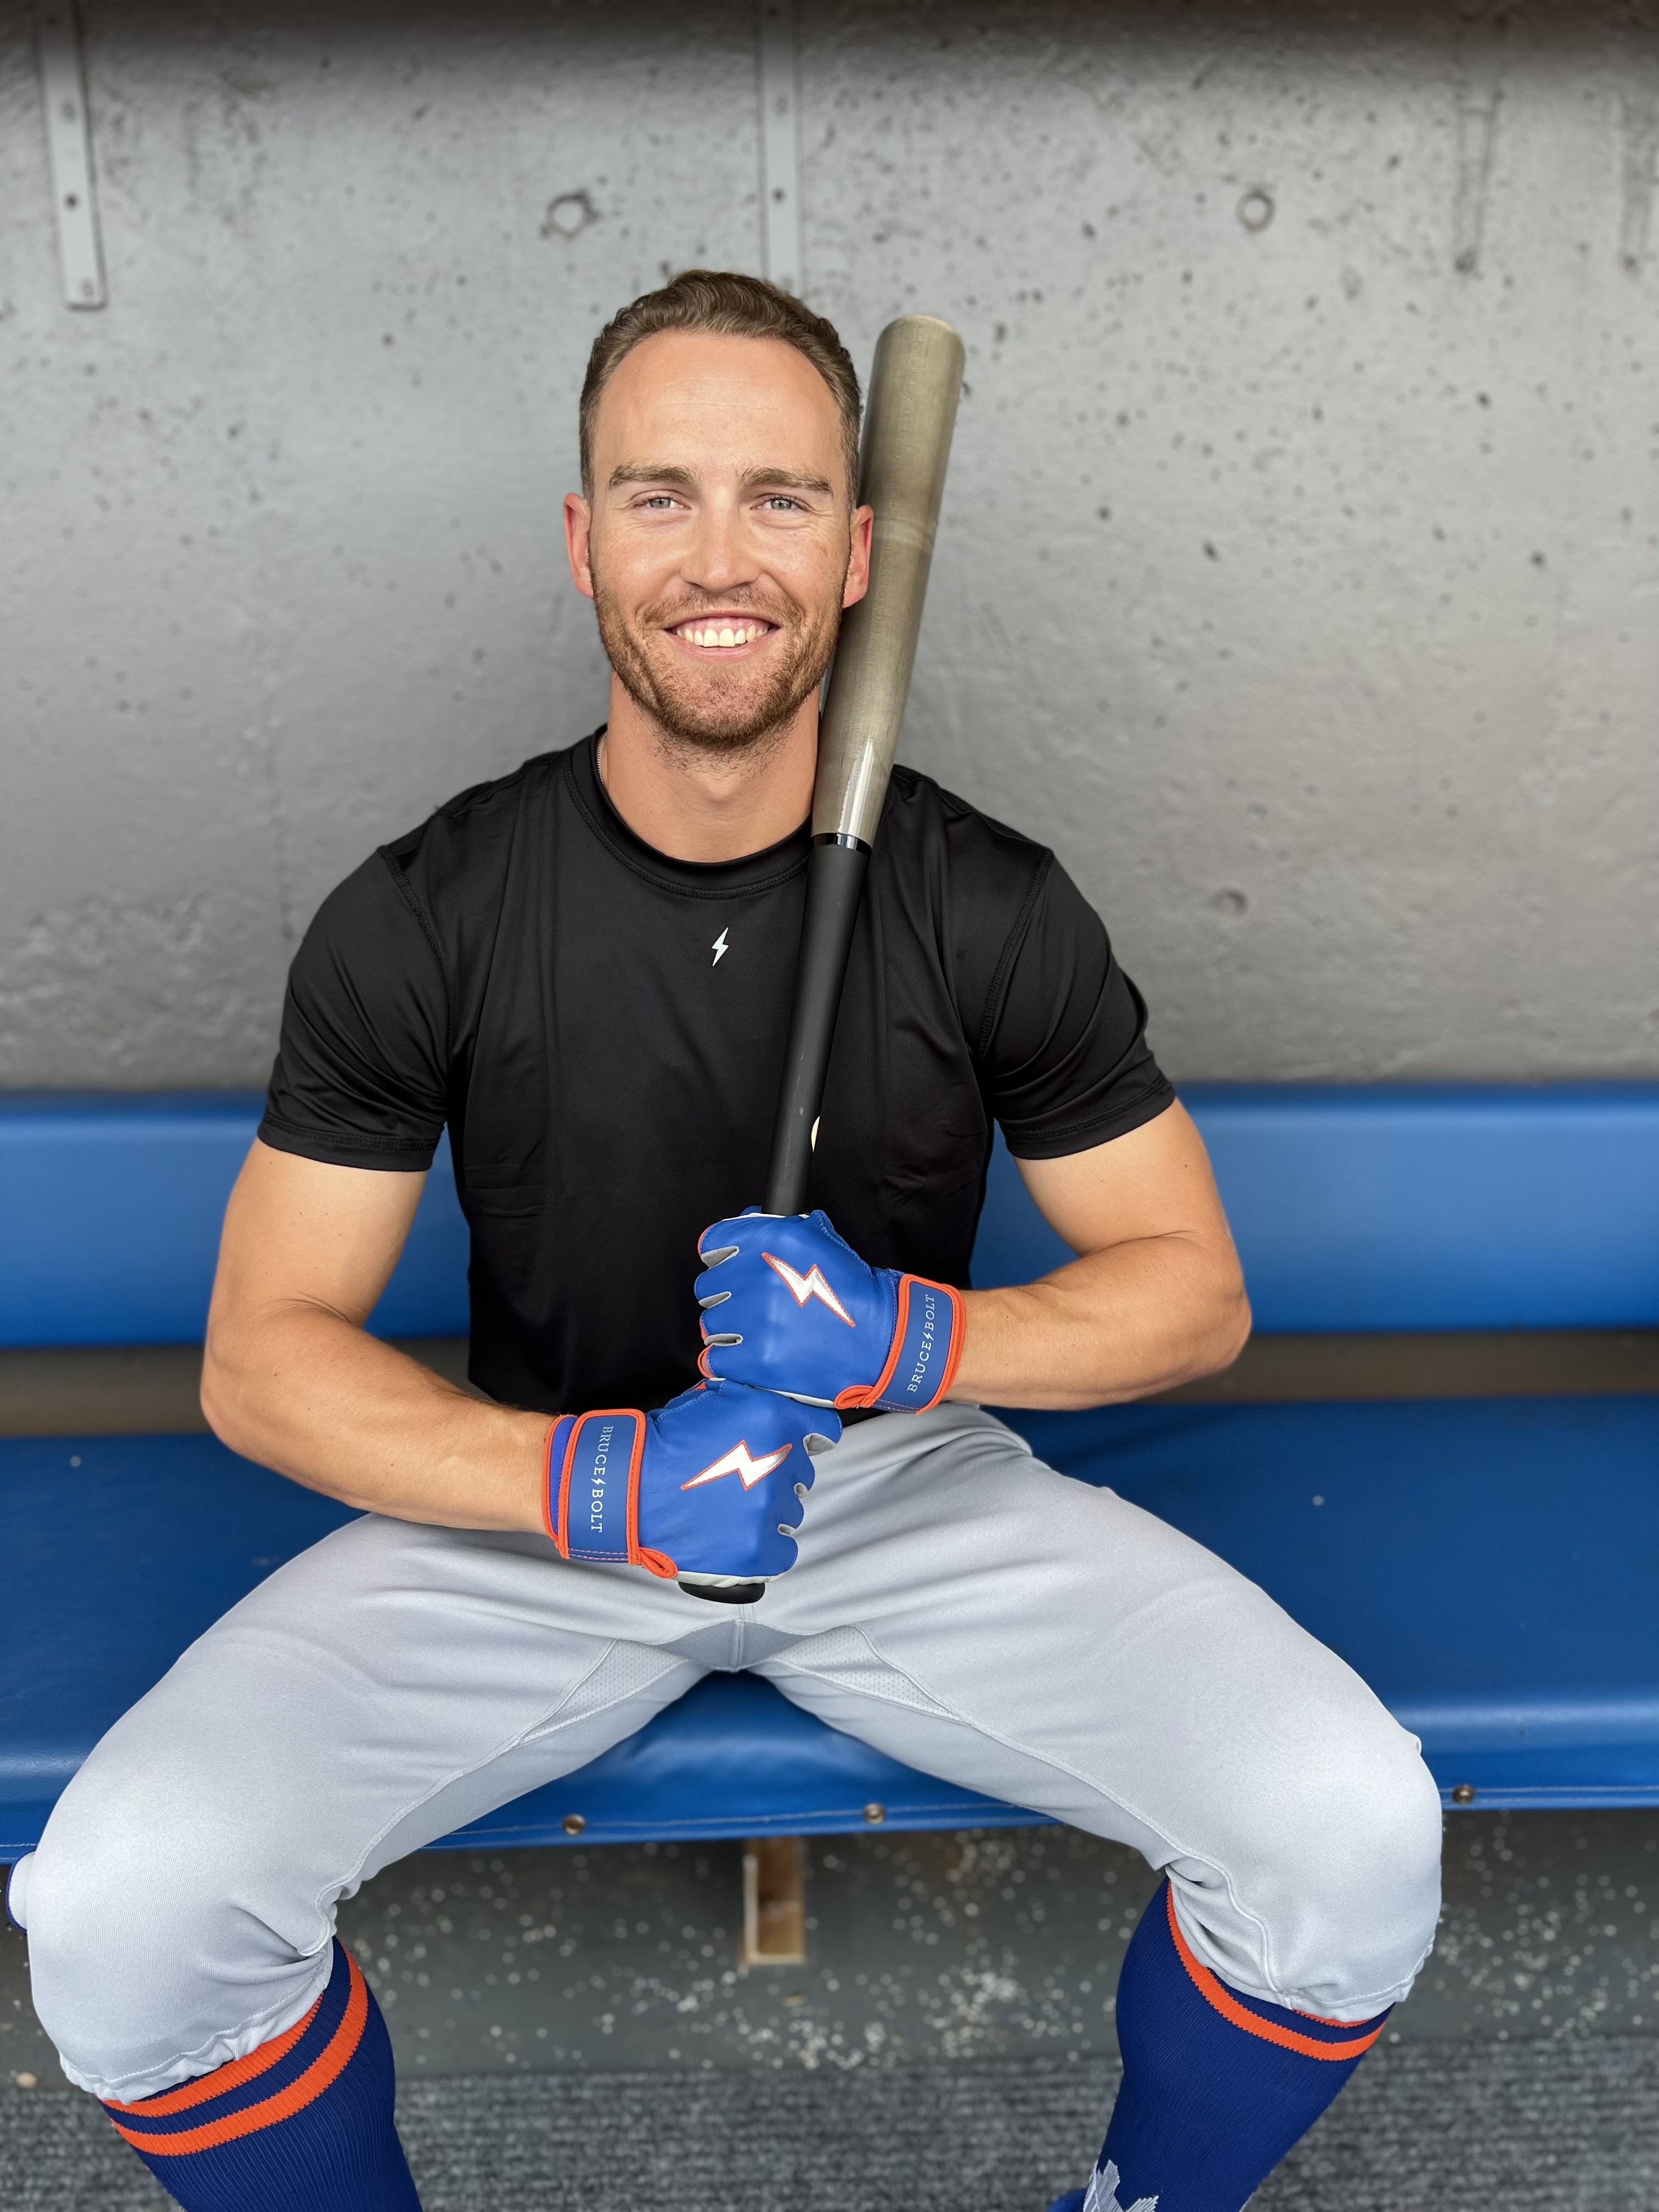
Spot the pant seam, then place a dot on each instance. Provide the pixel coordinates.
(991, 1735)
(1060, 1767)
(546, 1725)
(1271, 1976)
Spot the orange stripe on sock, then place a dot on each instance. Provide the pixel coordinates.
(325, 2069)
(1252, 2023)
(229, 2076)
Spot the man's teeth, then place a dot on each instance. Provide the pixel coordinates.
(724, 633)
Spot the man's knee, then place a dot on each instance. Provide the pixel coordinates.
(1364, 1870)
(1378, 1875)
(1327, 1900)
(148, 1953)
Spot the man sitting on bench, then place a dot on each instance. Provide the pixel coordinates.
(584, 971)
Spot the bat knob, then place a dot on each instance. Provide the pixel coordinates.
(722, 1589)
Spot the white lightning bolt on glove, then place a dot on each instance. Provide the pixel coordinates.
(711, 1484)
(789, 1306)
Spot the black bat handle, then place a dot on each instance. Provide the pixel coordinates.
(835, 885)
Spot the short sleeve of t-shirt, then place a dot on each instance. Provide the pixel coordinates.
(1065, 1057)
(362, 1073)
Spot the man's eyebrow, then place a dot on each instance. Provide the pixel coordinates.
(640, 472)
(787, 480)
(643, 473)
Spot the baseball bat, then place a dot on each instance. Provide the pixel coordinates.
(915, 386)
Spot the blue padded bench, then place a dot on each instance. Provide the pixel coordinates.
(1490, 1565)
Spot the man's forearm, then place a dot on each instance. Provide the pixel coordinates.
(305, 1391)
(1117, 1324)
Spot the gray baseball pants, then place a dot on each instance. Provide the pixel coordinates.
(956, 1603)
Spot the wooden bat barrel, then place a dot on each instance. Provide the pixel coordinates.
(914, 390)
(909, 421)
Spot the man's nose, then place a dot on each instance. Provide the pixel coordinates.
(718, 556)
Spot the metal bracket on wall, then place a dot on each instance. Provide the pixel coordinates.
(780, 105)
(68, 150)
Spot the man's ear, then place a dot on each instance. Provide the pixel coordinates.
(578, 532)
(858, 558)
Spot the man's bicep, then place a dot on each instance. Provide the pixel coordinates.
(300, 1231)
(1154, 1181)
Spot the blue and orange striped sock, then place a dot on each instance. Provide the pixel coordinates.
(301, 2124)
(1217, 2086)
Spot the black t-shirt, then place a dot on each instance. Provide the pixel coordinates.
(602, 1028)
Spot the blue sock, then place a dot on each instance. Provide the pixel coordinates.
(301, 2124)
(1217, 2086)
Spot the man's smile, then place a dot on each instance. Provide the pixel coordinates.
(723, 636)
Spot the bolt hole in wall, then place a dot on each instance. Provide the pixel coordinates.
(1255, 209)
(568, 214)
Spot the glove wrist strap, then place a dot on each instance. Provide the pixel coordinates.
(590, 1497)
(922, 1362)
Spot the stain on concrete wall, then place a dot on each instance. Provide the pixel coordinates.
(1299, 566)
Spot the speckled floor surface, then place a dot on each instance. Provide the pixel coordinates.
(1574, 2126)
(950, 2043)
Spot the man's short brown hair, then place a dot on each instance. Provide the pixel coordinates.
(726, 305)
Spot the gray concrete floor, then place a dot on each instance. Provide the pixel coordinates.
(990, 1945)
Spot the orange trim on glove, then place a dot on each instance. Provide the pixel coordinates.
(958, 1337)
(654, 1562)
(868, 1394)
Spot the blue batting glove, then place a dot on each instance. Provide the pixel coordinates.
(789, 1306)
(710, 1484)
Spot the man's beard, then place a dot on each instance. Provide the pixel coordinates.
(723, 707)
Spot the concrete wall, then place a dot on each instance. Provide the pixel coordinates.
(1298, 572)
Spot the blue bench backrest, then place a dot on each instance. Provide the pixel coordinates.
(1361, 1207)
(110, 1209)
(1414, 1205)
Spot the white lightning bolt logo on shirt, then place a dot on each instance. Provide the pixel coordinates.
(741, 1462)
(812, 1284)
(720, 948)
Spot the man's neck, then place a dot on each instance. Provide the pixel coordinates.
(694, 805)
